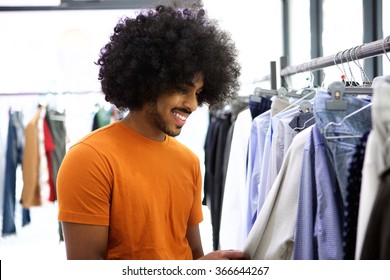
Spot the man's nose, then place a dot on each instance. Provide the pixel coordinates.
(191, 101)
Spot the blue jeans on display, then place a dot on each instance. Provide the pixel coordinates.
(342, 150)
(14, 155)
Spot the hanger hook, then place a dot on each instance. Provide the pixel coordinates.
(336, 64)
(356, 61)
(353, 80)
(383, 47)
(311, 73)
(366, 80)
(342, 64)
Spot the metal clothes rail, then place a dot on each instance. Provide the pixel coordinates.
(366, 50)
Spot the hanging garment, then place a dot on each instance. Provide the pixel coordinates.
(337, 142)
(263, 184)
(55, 121)
(281, 139)
(226, 156)
(14, 156)
(257, 156)
(259, 106)
(102, 118)
(31, 193)
(353, 196)
(342, 148)
(209, 159)
(217, 151)
(318, 223)
(376, 244)
(258, 133)
(232, 233)
(214, 158)
(272, 235)
(256, 108)
(374, 161)
(260, 168)
(49, 149)
(261, 112)
(4, 123)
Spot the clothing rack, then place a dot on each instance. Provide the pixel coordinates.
(363, 51)
(46, 93)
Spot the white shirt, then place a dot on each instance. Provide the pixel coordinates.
(375, 157)
(232, 233)
(272, 235)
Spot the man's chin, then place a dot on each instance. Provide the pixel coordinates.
(176, 132)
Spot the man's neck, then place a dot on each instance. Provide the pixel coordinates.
(137, 121)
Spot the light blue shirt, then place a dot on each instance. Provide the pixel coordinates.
(263, 168)
(318, 232)
(259, 130)
(282, 137)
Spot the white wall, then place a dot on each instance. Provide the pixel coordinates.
(55, 51)
(45, 51)
(256, 27)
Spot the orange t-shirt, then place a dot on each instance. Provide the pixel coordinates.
(147, 192)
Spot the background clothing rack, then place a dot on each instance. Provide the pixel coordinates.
(45, 93)
(363, 51)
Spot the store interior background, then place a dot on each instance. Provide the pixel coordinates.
(53, 51)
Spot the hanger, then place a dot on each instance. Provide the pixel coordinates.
(304, 124)
(282, 92)
(353, 80)
(306, 106)
(365, 79)
(341, 70)
(255, 98)
(342, 121)
(261, 92)
(337, 89)
(304, 94)
(302, 97)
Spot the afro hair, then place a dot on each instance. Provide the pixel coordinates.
(161, 50)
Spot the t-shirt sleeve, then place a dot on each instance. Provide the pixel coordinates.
(196, 215)
(84, 187)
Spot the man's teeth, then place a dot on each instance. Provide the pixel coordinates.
(183, 118)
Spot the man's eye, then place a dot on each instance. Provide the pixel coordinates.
(182, 90)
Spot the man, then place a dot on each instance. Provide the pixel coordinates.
(130, 190)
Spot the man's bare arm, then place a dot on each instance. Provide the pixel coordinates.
(85, 242)
(193, 237)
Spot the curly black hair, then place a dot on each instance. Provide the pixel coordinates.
(163, 49)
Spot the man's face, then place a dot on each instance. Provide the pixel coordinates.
(171, 110)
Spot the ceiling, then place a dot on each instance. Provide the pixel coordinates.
(38, 5)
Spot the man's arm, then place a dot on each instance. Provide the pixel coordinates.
(193, 237)
(85, 242)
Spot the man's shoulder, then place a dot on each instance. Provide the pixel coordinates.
(182, 148)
